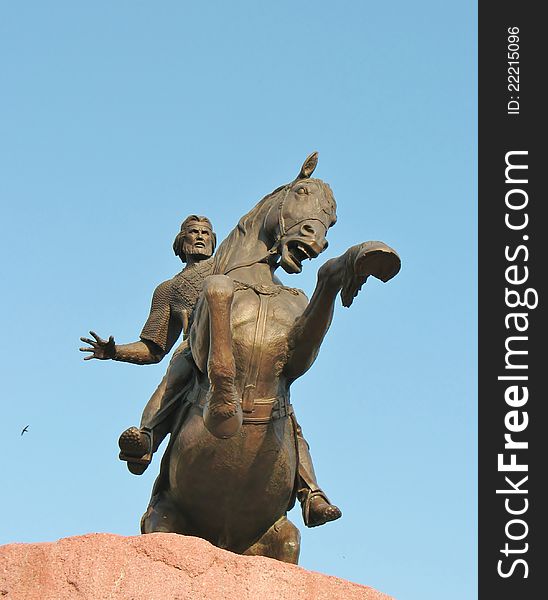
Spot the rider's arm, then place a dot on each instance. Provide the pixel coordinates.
(143, 352)
(158, 332)
(163, 327)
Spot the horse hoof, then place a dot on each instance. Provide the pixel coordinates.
(377, 259)
(223, 419)
(363, 260)
(221, 426)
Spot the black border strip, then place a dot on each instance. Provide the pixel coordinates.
(510, 121)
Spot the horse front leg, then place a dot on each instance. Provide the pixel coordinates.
(311, 327)
(222, 411)
(346, 274)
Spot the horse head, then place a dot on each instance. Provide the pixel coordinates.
(291, 223)
(300, 215)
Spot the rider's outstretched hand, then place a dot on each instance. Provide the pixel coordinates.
(101, 349)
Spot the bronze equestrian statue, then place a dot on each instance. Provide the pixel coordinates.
(229, 472)
(171, 312)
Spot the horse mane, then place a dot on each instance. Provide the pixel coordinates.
(229, 251)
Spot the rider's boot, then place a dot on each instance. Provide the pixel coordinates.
(316, 508)
(137, 445)
(136, 448)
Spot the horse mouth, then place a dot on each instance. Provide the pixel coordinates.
(294, 253)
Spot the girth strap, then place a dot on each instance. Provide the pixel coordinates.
(268, 409)
(264, 409)
(252, 375)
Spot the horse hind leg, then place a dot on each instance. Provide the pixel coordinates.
(282, 542)
(223, 411)
(163, 516)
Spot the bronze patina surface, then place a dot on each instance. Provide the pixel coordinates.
(236, 458)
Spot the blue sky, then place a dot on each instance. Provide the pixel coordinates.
(121, 118)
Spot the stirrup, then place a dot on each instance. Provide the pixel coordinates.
(133, 450)
(332, 513)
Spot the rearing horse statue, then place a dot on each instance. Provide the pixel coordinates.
(228, 474)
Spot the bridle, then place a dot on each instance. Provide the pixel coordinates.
(283, 230)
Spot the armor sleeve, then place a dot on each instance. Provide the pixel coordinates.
(164, 325)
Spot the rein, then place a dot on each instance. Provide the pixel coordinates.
(271, 252)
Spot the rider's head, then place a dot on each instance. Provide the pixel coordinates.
(196, 240)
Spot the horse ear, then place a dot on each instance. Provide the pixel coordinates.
(308, 166)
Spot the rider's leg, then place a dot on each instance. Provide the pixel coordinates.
(177, 376)
(316, 508)
(151, 409)
(138, 445)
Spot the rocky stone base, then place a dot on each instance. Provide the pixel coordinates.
(159, 566)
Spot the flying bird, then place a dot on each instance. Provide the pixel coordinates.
(25, 429)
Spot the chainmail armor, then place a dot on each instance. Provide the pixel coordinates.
(171, 300)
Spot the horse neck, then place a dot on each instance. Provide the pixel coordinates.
(257, 273)
(245, 247)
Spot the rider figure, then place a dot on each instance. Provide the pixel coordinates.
(171, 312)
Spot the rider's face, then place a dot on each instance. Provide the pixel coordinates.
(198, 242)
